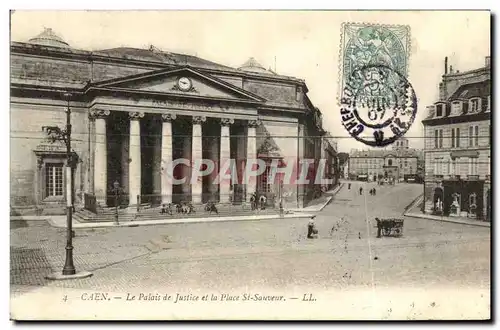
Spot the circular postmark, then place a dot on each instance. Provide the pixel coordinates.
(378, 105)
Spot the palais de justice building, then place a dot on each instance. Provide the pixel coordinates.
(135, 110)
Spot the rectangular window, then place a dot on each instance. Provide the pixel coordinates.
(436, 138)
(457, 108)
(53, 180)
(472, 166)
(440, 139)
(455, 137)
(438, 166)
(476, 135)
(439, 110)
(489, 135)
(473, 136)
(474, 106)
(489, 165)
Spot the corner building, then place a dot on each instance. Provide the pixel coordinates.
(458, 145)
(135, 110)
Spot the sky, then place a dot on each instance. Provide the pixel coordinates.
(302, 44)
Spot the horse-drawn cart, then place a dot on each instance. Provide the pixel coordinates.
(389, 227)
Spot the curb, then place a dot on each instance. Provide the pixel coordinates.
(413, 203)
(176, 221)
(423, 216)
(320, 208)
(30, 218)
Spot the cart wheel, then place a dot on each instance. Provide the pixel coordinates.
(387, 231)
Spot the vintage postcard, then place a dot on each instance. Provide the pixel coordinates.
(250, 165)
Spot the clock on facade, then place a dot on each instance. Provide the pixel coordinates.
(184, 84)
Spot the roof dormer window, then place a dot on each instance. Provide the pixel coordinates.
(440, 110)
(474, 105)
(456, 108)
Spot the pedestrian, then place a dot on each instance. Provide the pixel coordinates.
(361, 190)
(349, 186)
(374, 192)
(312, 231)
(379, 227)
(262, 200)
(253, 201)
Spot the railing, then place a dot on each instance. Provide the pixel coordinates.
(90, 202)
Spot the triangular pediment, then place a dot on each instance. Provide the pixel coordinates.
(184, 81)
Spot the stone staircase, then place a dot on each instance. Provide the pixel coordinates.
(154, 213)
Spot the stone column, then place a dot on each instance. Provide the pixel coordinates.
(213, 146)
(166, 157)
(134, 165)
(251, 154)
(100, 155)
(225, 156)
(196, 154)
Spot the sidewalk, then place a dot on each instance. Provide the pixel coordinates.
(60, 221)
(320, 203)
(460, 220)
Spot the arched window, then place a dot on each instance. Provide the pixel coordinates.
(389, 162)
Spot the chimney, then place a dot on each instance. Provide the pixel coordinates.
(487, 61)
(451, 68)
(446, 65)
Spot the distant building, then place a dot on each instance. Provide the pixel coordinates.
(458, 145)
(345, 169)
(401, 144)
(372, 165)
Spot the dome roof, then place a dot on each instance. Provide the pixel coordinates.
(49, 38)
(252, 65)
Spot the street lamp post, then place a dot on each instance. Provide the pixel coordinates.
(56, 133)
(116, 186)
(69, 267)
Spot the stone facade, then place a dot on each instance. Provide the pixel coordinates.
(458, 146)
(372, 165)
(133, 110)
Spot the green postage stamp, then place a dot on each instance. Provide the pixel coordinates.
(367, 44)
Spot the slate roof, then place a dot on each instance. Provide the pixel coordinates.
(153, 54)
(468, 91)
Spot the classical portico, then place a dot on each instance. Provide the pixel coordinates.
(131, 157)
(138, 131)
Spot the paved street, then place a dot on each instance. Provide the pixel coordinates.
(273, 255)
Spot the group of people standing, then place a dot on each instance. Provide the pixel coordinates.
(372, 191)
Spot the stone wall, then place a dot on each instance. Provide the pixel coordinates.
(26, 134)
